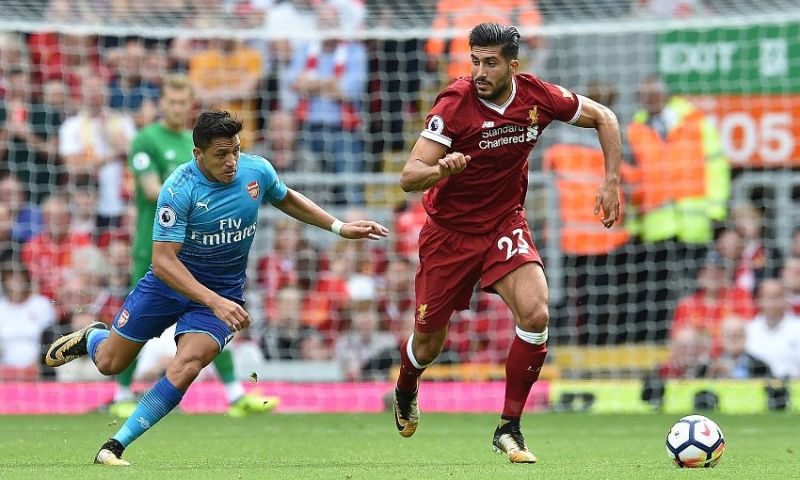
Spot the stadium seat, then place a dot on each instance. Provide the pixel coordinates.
(479, 372)
(594, 360)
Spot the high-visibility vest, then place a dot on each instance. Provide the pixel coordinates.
(684, 178)
(579, 171)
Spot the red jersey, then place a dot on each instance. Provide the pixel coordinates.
(47, 259)
(794, 303)
(695, 311)
(407, 226)
(499, 138)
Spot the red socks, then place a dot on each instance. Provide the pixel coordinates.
(408, 379)
(524, 362)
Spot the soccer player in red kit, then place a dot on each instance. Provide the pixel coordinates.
(472, 158)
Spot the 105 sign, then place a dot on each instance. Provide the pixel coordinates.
(758, 131)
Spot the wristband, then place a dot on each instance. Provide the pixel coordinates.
(336, 226)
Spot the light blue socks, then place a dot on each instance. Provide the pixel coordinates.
(154, 406)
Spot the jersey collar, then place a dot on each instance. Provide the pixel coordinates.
(501, 109)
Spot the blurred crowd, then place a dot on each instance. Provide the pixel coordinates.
(70, 104)
(744, 319)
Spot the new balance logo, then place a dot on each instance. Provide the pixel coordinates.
(488, 124)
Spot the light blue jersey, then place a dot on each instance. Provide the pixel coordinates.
(215, 222)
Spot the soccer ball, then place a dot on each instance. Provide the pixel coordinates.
(694, 442)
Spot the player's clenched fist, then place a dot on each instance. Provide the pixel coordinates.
(231, 313)
(453, 163)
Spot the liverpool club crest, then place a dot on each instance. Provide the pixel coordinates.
(421, 311)
(533, 114)
(532, 132)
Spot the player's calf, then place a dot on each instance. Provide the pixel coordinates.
(114, 354)
(109, 365)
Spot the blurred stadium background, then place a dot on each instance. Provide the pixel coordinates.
(690, 302)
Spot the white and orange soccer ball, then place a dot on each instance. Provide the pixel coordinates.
(695, 442)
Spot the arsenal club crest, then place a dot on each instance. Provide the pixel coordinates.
(253, 190)
(123, 318)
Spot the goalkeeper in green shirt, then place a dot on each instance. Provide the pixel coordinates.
(156, 151)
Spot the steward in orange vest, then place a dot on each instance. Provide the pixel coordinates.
(578, 170)
(684, 178)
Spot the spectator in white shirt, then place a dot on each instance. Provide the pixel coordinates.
(774, 335)
(24, 315)
(94, 144)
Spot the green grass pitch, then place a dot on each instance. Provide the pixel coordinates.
(352, 447)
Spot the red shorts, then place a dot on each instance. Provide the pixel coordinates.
(452, 262)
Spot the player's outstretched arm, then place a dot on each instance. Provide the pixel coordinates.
(296, 205)
(428, 164)
(170, 270)
(601, 118)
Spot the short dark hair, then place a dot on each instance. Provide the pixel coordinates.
(496, 35)
(11, 267)
(215, 124)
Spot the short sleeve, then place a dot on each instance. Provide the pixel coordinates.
(45, 312)
(129, 126)
(141, 158)
(276, 190)
(441, 125)
(565, 105)
(69, 139)
(172, 214)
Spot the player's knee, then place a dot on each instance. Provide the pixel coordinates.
(184, 371)
(534, 317)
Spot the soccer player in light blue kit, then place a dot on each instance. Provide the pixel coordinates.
(205, 223)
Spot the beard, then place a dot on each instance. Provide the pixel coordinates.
(496, 90)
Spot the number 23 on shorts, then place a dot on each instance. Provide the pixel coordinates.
(514, 244)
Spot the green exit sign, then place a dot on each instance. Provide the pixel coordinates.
(756, 59)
